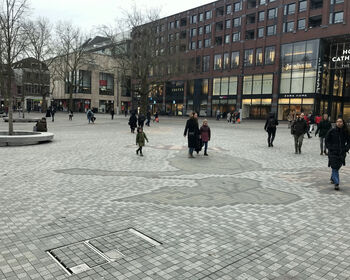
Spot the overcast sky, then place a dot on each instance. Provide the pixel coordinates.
(90, 13)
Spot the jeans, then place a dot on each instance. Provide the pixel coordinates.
(335, 176)
(298, 142)
(205, 147)
(190, 151)
(323, 144)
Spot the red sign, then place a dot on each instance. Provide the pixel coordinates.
(103, 83)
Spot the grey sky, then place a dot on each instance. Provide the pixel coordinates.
(90, 13)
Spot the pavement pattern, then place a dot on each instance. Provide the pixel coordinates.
(85, 206)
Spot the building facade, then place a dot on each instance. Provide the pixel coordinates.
(259, 56)
(96, 84)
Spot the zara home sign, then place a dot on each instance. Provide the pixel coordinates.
(344, 57)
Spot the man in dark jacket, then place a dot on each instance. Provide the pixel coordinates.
(324, 126)
(298, 129)
(338, 144)
(141, 120)
(133, 122)
(270, 127)
(41, 126)
(148, 117)
(192, 129)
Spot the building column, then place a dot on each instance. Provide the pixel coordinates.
(210, 94)
(184, 108)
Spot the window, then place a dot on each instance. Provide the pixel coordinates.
(236, 22)
(262, 16)
(218, 41)
(226, 60)
(315, 21)
(236, 37)
(228, 24)
(171, 37)
(207, 43)
(289, 9)
(250, 34)
(302, 6)
(201, 17)
(258, 84)
(336, 1)
(171, 25)
(208, 14)
(192, 46)
(194, 19)
(260, 32)
(183, 22)
(270, 55)
(301, 24)
(227, 39)
(200, 30)
(262, 2)
(220, 11)
(219, 26)
(316, 4)
(228, 9)
(193, 32)
(288, 26)
(251, 18)
(177, 23)
(336, 17)
(199, 44)
(248, 57)
(234, 59)
(271, 30)
(225, 86)
(106, 84)
(259, 56)
(272, 13)
(217, 62)
(206, 63)
(237, 6)
(251, 4)
(207, 28)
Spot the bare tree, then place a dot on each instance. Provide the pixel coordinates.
(142, 55)
(40, 47)
(12, 15)
(71, 55)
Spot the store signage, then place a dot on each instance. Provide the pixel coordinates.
(296, 95)
(344, 57)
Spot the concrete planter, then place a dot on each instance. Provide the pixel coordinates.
(23, 138)
(20, 120)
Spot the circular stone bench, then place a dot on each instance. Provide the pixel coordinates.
(25, 120)
(22, 138)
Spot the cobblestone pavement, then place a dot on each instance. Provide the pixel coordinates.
(87, 207)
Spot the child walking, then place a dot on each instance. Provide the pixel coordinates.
(205, 135)
(140, 140)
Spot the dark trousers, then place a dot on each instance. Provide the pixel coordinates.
(148, 121)
(205, 147)
(271, 135)
(139, 150)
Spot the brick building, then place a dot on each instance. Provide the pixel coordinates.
(258, 56)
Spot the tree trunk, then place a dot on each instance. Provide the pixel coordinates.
(10, 106)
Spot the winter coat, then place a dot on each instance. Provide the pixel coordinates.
(133, 121)
(205, 133)
(140, 139)
(41, 126)
(323, 128)
(299, 127)
(141, 120)
(271, 124)
(193, 132)
(148, 116)
(338, 144)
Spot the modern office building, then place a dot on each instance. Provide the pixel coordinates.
(258, 56)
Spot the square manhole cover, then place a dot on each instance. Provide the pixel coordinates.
(87, 254)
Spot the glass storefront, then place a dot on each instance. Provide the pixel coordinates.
(288, 105)
(225, 105)
(256, 108)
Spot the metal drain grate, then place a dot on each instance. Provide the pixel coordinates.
(79, 257)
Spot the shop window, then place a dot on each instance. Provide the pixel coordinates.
(297, 81)
(247, 84)
(225, 86)
(233, 84)
(235, 59)
(267, 84)
(216, 86)
(285, 82)
(257, 84)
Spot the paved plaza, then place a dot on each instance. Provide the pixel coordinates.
(85, 206)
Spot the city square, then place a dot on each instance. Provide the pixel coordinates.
(85, 206)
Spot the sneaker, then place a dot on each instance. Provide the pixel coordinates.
(336, 187)
(326, 153)
(271, 145)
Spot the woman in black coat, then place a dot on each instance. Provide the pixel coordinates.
(133, 122)
(338, 144)
(192, 129)
(270, 128)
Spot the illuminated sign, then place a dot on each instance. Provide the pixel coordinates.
(344, 57)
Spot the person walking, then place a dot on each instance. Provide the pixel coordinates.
(290, 119)
(53, 112)
(323, 128)
(307, 124)
(140, 140)
(112, 113)
(228, 117)
(141, 120)
(133, 122)
(218, 115)
(148, 117)
(338, 144)
(298, 129)
(126, 112)
(70, 115)
(205, 135)
(89, 115)
(192, 130)
(156, 117)
(270, 127)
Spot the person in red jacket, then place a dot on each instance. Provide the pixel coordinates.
(205, 135)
